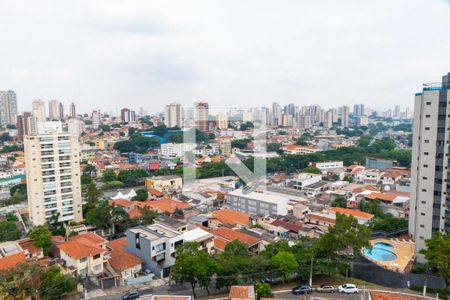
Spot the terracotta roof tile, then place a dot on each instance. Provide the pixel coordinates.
(11, 261)
(120, 202)
(231, 235)
(353, 212)
(117, 243)
(232, 217)
(121, 260)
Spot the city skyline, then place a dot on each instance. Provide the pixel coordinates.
(151, 54)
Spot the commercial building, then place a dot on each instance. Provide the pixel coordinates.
(8, 108)
(222, 121)
(53, 175)
(430, 206)
(173, 115)
(171, 150)
(256, 203)
(54, 110)
(127, 115)
(344, 111)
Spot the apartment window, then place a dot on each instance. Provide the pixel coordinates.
(160, 247)
(427, 128)
(424, 190)
(423, 202)
(424, 178)
(83, 260)
(422, 214)
(137, 241)
(422, 226)
(97, 256)
(97, 268)
(427, 116)
(425, 153)
(425, 166)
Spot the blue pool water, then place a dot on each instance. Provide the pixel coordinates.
(383, 245)
(379, 254)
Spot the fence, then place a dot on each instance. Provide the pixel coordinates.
(366, 270)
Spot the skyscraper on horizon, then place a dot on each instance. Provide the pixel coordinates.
(429, 210)
(201, 115)
(173, 115)
(54, 110)
(8, 108)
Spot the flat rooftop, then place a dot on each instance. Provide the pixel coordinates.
(275, 199)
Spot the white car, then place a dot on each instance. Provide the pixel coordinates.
(348, 288)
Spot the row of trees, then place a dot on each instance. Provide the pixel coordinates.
(330, 254)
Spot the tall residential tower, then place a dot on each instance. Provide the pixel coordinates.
(53, 174)
(430, 201)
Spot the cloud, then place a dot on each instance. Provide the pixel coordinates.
(24, 75)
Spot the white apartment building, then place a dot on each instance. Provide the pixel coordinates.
(304, 180)
(171, 150)
(328, 165)
(256, 203)
(53, 176)
(222, 121)
(8, 108)
(173, 115)
(299, 150)
(430, 205)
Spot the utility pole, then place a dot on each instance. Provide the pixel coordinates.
(311, 271)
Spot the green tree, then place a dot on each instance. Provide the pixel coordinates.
(437, 254)
(41, 237)
(285, 263)
(388, 223)
(141, 195)
(233, 265)
(85, 179)
(89, 170)
(92, 195)
(312, 170)
(9, 231)
(109, 175)
(148, 215)
(20, 282)
(346, 235)
(348, 178)
(245, 126)
(364, 141)
(371, 207)
(339, 201)
(55, 284)
(263, 290)
(21, 188)
(194, 266)
(11, 217)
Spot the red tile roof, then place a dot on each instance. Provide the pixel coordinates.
(352, 212)
(11, 261)
(83, 245)
(231, 235)
(380, 196)
(382, 295)
(164, 205)
(121, 260)
(241, 291)
(118, 243)
(120, 202)
(321, 218)
(287, 225)
(232, 217)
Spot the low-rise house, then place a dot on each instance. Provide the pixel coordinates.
(156, 245)
(361, 216)
(224, 235)
(166, 184)
(122, 261)
(84, 254)
(165, 205)
(304, 180)
(228, 216)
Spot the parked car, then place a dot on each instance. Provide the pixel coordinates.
(348, 288)
(326, 288)
(131, 295)
(302, 289)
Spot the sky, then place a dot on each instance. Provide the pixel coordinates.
(113, 54)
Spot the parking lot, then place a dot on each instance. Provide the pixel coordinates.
(287, 294)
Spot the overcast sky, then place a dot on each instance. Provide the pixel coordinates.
(112, 54)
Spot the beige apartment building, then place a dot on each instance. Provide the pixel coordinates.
(53, 177)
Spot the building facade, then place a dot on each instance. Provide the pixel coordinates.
(53, 177)
(173, 115)
(430, 204)
(255, 203)
(8, 108)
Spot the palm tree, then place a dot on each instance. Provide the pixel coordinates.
(92, 195)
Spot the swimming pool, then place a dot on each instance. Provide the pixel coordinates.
(383, 245)
(381, 254)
